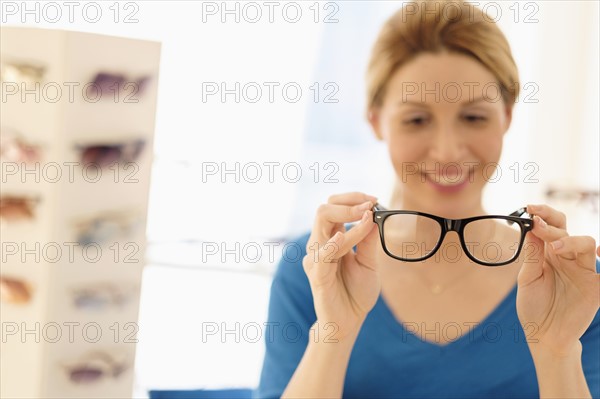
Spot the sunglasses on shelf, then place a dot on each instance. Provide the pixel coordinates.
(94, 367)
(101, 228)
(21, 72)
(17, 208)
(101, 296)
(14, 290)
(13, 148)
(575, 196)
(107, 84)
(105, 155)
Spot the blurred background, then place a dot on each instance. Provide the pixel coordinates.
(259, 117)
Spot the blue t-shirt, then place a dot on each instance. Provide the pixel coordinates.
(491, 360)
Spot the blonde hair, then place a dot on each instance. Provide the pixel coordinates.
(434, 26)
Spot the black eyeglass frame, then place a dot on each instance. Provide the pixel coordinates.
(380, 214)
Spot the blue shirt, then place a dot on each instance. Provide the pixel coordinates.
(491, 360)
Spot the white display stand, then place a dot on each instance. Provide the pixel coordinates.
(60, 336)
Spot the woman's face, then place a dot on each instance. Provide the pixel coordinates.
(443, 119)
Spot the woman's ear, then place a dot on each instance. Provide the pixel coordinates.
(373, 117)
(508, 109)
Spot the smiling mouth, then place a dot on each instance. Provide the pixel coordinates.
(447, 183)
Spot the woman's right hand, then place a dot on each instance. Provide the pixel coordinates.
(345, 284)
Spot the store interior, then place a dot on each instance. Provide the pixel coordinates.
(158, 158)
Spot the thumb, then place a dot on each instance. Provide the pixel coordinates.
(533, 260)
(367, 248)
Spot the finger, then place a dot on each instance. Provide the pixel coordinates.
(321, 264)
(353, 198)
(317, 253)
(342, 243)
(329, 217)
(357, 233)
(549, 214)
(343, 213)
(545, 231)
(331, 251)
(533, 261)
(577, 247)
(366, 250)
(598, 251)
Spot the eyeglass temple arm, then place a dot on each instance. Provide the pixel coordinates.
(519, 212)
(378, 207)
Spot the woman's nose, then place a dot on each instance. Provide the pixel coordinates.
(447, 146)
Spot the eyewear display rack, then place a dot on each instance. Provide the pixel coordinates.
(75, 336)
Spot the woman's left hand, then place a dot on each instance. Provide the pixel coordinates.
(558, 287)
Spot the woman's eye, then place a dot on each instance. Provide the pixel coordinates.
(475, 118)
(415, 121)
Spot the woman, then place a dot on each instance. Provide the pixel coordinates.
(354, 321)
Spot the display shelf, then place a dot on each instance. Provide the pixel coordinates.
(61, 360)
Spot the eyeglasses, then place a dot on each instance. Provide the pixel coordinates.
(13, 148)
(105, 155)
(21, 72)
(100, 296)
(101, 228)
(576, 196)
(13, 208)
(490, 240)
(15, 291)
(108, 83)
(95, 366)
